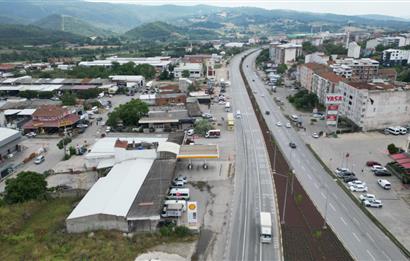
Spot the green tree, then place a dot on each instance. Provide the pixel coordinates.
(392, 149)
(185, 74)
(146, 70)
(202, 126)
(129, 113)
(308, 47)
(26, 186)
(330, 48)
(281, 68)
(29, 94)
(45, 95)
(88, 94)
(262, 57)
(68, 99)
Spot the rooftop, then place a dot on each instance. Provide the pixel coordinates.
(371, 86)
(50, 111)
(6, 133)
(315, 66)
(198, 152)
(330, 76)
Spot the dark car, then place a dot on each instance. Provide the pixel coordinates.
(253, 80)
(292, 145)
(370, 163)
(345, 174)
(267, 112)
(382, 173)
(349, 178)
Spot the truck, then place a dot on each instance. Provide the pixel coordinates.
(266, 227)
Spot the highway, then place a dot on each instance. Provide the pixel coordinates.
(253, 188)
(359, 235)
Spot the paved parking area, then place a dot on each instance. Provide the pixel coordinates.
(363, 147)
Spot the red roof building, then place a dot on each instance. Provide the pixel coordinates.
(49, 117)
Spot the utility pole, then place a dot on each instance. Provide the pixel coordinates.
(284, 202)
(325, 215)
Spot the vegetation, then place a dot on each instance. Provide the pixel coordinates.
(308, 47)
(63, 142)
(281, 68)
(262, 57)
(68, 99)
(330, 48)
(35, 230)
(35, 94)
(393, 149)
(129, 113)
(202, 126)
(403, 73)
(88, 94)
(26, 186)
(303, 100)
(185, 74)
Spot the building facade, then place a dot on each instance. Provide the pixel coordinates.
(285, 53)
(195, 70)
(394, 57)
(357, 70)
(324, 83)
(317, 57)
(353, 50)
(306, 72)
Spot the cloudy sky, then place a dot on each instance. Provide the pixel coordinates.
(400, 8)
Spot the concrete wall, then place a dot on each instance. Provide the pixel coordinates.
(96, 222)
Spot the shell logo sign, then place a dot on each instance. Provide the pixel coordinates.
(192, 206)
(192, 214)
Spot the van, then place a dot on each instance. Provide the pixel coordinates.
(227, 107)
(171, 201)
(392, 130)
(384, 184)
(403, 131)
(294, 117)
(178, 193)
(238, 114)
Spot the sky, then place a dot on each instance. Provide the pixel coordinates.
(399, 8)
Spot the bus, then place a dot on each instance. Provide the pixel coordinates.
(230, 122)
(213, 134)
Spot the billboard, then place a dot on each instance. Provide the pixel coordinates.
(333, 102)
(192, 213)
(334, 99)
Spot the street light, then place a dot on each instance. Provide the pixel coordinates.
(326, 203)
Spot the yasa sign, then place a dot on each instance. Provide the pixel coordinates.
(334, 99)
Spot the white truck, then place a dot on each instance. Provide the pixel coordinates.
(266, 227)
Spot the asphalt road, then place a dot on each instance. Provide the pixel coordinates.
(253, 189)
(356, 231)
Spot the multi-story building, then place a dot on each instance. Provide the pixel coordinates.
(195, 70)
(324, 83)
(375, 105)
(353, 50)
(394, 41)
(358, 70)
(393, 57)
(284, 53)
(317, 57)
(306, 72)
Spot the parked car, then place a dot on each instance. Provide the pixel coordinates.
(382, 173)
(373, 203)
(292, 145)
(178, 183)
(82, 125)
(347, 179)
(267, 112)
(340, 170)
(315, 135)
(108, 129)
(39, 159)
(367, 196)
(288, 125)
(377, 168)
(358, 188)
(279, 124)
(31, 135)
(190, 132)
(356, 182)
(371, 163)
(181, 178)
(384, 184)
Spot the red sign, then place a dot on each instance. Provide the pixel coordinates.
(331, 117)
(334, 99)
(333, 107)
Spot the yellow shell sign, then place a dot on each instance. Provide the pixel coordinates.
(192, 206)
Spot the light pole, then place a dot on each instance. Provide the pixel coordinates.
(293, 178)
(284, 202)
(325, 215)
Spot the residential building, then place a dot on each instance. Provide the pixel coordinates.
(9, 142)
(353, 50)
(375, 105)
(358, 70)
(317, 57)
(195, 70)
(285, 53)
(324, 83)
(387, 74)
(393, 57)
(306, 72)
(393, 41)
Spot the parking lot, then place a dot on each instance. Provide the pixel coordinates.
(363, 147)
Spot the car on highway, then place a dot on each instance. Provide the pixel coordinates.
(356, 182)
(315, 135)
(347, 179)
(358, 188)
(371, 163)
(39, 159)
(262, 95)
(253, 80)
(267, 112)
(279, 124)
(373, 203)
(238, 114)
(367, 196)
(380, 173)
(292, 145)
(288, 125)
(377, 168)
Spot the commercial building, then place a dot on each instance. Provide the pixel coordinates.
(306, 72)
(394, 57)
(375, 105)
(159, 62)
(284, 53)
(353, 50)
(170, 99)
(9, 142)
(324, 83)
(136, 81)
(358, 70)
(195, 70)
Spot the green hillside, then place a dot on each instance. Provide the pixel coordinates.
(71, 24)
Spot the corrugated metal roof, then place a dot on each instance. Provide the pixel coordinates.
(115, 193)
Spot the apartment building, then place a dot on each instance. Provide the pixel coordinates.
(393, 57)
(374, 106)
(284, 53)
(353, 50)
(306, 72)
(357, 70)
(323, 83)
(394, 41)
(317, 57)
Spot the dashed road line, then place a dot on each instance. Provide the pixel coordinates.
(332, 207)
(370, 254)
(344, 222)
(357, 238)
(370, 237)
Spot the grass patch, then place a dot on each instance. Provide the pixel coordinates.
(36, 231)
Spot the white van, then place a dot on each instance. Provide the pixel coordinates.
(294, 117)
(227, 106)
(182, 202)
(384, 184)
(403, 131)
(178, 193)
(238, 114)
(392, 130)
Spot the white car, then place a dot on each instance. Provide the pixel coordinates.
(262, 95)
(356, 182)
(288, 125)
(367, 196)
(39, 160)
(181, 178)
(190, 132)
(377, 168)
(279, 124)
(358, 188)
(108, 129)
(374, 203)
(315, 135)
(341, 170)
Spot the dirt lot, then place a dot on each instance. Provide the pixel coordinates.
(371, 146)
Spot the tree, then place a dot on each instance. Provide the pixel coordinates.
(146, 70)
(185, 73)
(129, 113)
(281, 68)
(262, 57)
(392, 149)
(68, 99)
(308, 47)
(202, 126)
(26, 186)
(88, 94)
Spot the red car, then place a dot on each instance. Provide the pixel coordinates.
(370, 163)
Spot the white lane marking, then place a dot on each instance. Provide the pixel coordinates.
(357, 238)
(370, 254)
(387, 257)
(323, 195)
(303, 167)
(344, 222)
(370, 237)
(356, 221)
(310, 177)
(332, 207)
(316, 185)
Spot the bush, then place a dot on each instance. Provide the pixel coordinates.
(61, 143)
(72, 150)
(166, 231)
(202, 126)
(26, 186)
(392, 149)
(45, 95)
(182, 231)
